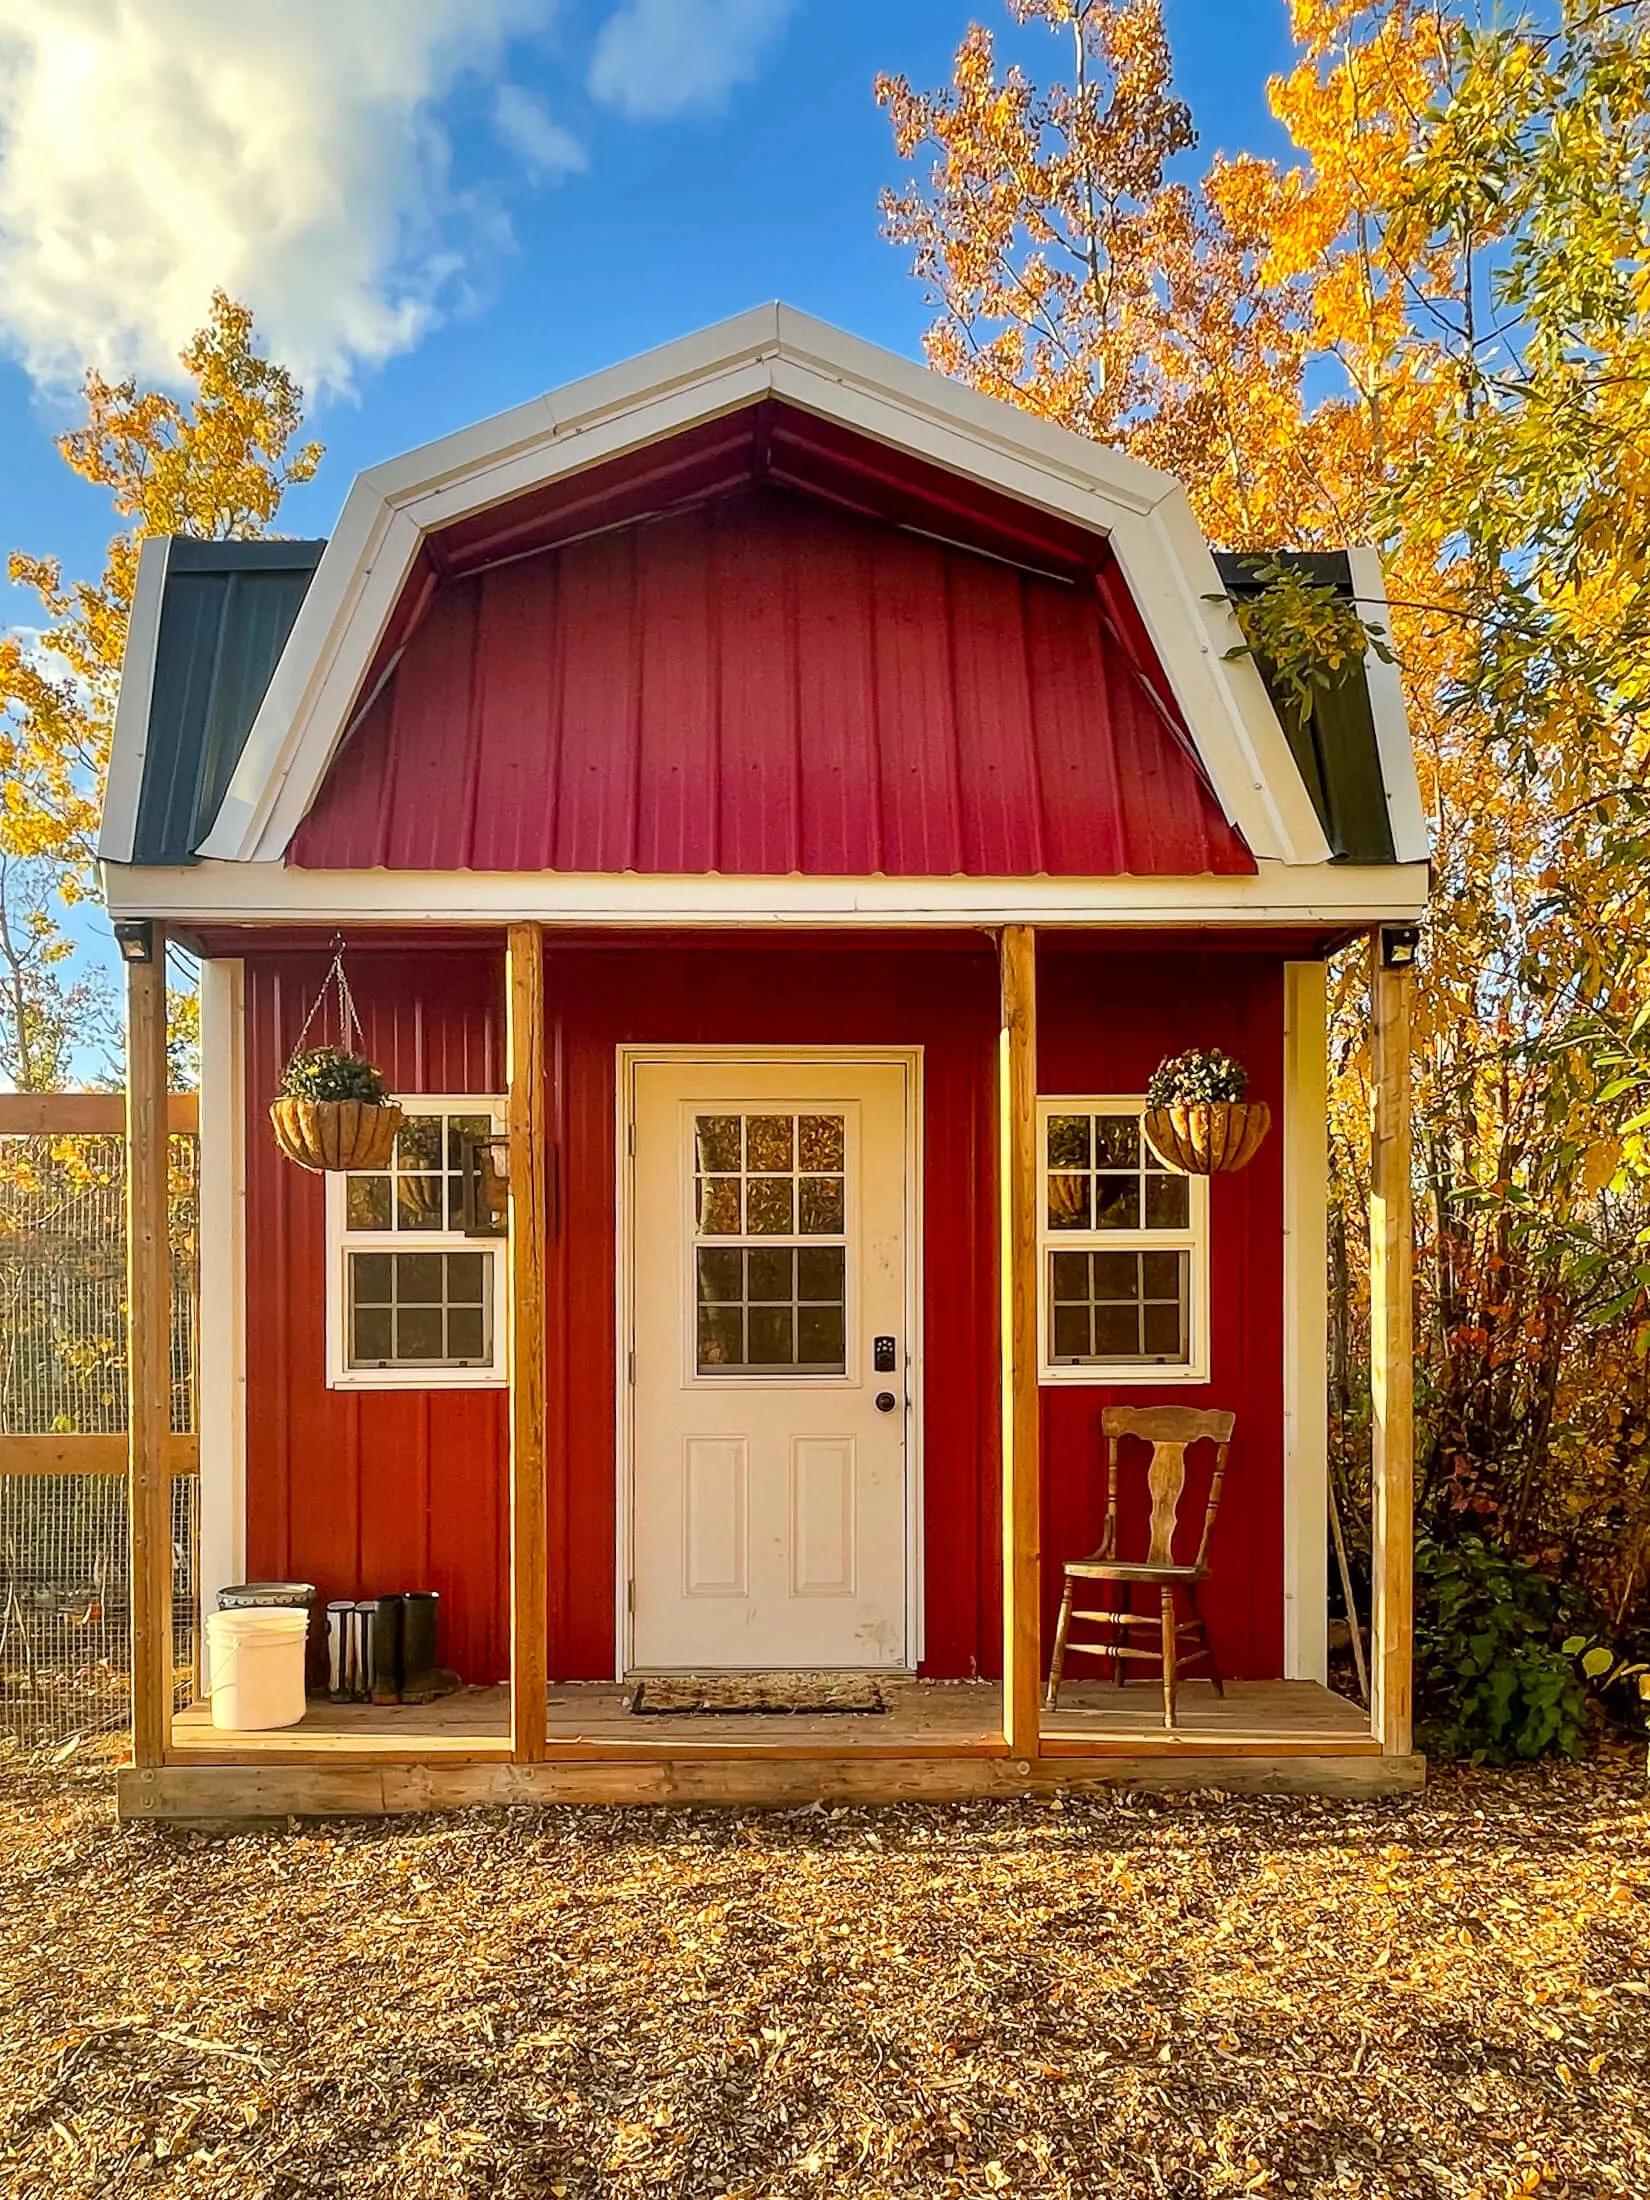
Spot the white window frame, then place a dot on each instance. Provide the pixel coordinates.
(341, 1242)
(1194, 1239)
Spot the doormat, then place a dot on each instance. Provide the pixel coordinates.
(757, 1692)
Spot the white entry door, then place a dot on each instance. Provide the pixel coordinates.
(769, 1297)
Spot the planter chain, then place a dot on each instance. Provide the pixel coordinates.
(348, 1020)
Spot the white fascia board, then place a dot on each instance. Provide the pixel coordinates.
(770, 350)
(129, 744)
(348, 604)
(590, 443)
(277, 893)
(1170, 573)
(983, 421)
(1411, 841)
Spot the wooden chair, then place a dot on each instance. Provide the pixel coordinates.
(1170, 1431)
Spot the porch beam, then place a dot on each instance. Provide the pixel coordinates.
(1391, 1359)
(1017, 1262)
(529, 1251)
(148, 1356)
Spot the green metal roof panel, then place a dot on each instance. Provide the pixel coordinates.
(226, 611)
(1336, 749)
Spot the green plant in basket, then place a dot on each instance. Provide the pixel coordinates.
(328, 1073)
(1203, 1078)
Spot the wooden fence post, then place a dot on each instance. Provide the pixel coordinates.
(148, 1356)
(529, 1250)
(1391, 1360)
(1017, 1216)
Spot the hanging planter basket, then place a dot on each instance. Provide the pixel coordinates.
(336, 1134)
(332, 1111)
(1208, 1138)
(1197, 1118)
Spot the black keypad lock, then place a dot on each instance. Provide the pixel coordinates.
(882, 1355)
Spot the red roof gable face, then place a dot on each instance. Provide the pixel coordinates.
(764, 680)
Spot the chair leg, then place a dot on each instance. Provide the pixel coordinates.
(1203, 1638)
(1168, 1656)
(1119, 1603)
(1057, 1665)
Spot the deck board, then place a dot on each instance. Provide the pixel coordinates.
(926, 1719)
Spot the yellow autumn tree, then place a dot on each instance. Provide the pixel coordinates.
(215, 464)
(1426, 330)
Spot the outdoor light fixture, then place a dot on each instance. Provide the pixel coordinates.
(136, 940)
(486, 1182)
(1400, 943)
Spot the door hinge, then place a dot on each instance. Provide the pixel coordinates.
(630, 1371)
(630, 1140)
(630, 1597)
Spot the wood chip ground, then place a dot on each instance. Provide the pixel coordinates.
(1443, 1994)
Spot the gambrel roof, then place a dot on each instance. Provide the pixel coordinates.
(840, 420)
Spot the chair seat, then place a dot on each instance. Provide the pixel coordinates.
(1122, 1569)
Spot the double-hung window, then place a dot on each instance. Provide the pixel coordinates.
(413, 1303)
(1123, 1249)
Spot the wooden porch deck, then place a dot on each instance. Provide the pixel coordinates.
(1263, 1732)
(938, 1741)
(924, 1719)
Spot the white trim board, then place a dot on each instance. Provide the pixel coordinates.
(130, 741)
(627, 1058)
(770, 351)
(1278, 894)
(221, 1339)
(1305, 1323)
(1411, 841)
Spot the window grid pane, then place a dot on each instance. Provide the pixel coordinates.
(1119, 1306)
(420, 1309)
(770, 1197)
(1100, 1174)
(422, 1190)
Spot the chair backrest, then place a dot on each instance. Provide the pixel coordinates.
(1170, 1431)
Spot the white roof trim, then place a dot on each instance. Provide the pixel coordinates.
(130, 741)
(273, 891)
(771, 350)
(1411, 840)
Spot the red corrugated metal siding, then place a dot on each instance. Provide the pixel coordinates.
(1105, 1021)
(944, 1001)
(765, 685)
(362, 1492)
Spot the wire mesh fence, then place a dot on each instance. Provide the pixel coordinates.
(65, 1604)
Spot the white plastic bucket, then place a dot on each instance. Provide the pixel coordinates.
(257, 1667)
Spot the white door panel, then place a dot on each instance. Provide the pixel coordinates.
(768, 1239)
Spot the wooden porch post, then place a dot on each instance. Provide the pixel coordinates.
(1017, 1213)
(1391, 1360)
(148, 1356)
(529, 1249)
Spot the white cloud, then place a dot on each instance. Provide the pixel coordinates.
(289, 153)
(548, 152)
(656, 58)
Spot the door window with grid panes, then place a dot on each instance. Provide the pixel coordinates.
(770, 1244)
(1123, 1246)
(412, 1302)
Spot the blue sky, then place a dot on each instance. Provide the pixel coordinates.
(768, 191)
(438, 208)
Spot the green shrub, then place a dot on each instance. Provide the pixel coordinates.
(1494, 1682)
(327, 1073)
(1197, 1080)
